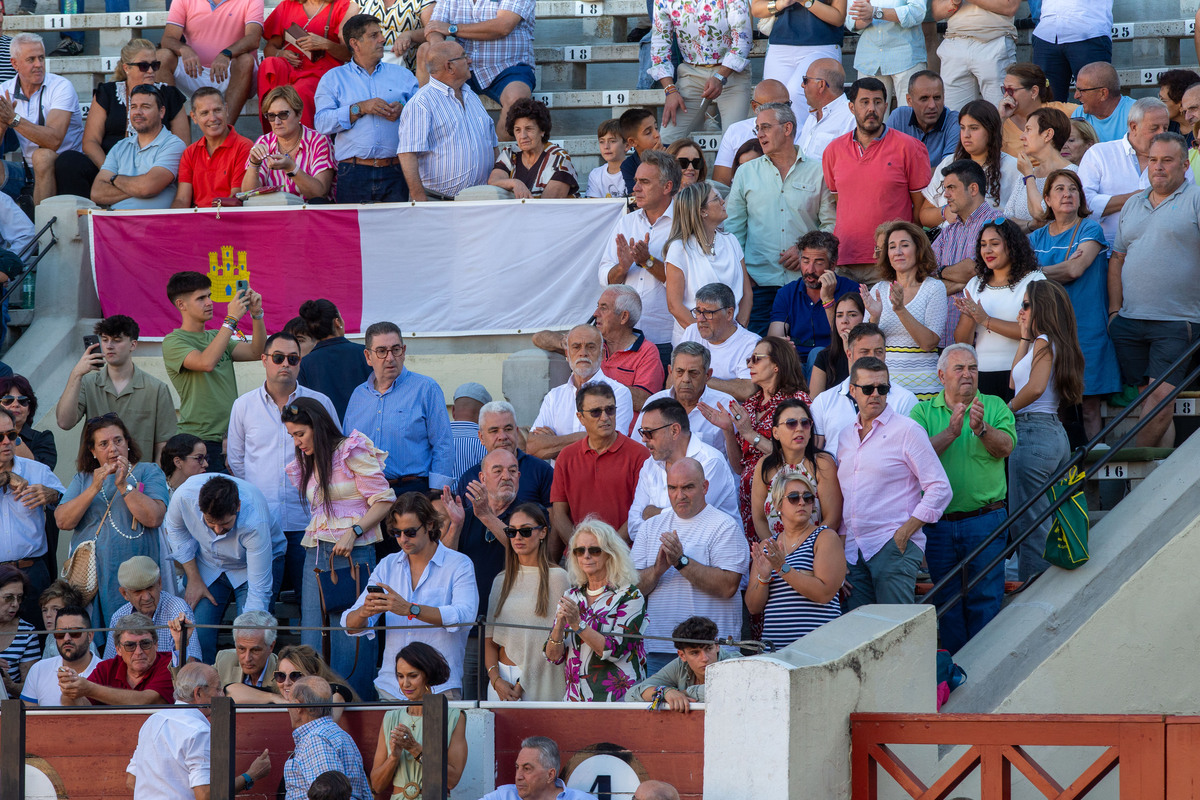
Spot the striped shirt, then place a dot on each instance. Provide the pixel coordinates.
(788, 614)
(957, 241)
(491, 57)
(468, 450)
(24, 647)
(313, 156)
(455, 141)
(169, 607)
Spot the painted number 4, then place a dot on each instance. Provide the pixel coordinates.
(589, 9)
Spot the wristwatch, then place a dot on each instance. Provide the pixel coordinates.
(354, 110)
(227, 53)
(983, 429)
(453, 29)
(809, 3)
(414, 611)
(16, 120)
(785, 569)
(878, 14)
(682, 562)
(722, 78)
(757, 439)
(358, 531)
(772, 8)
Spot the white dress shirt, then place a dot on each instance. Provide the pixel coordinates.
(172, 755)
(816, 135)
(242, 554)
(652, 484)
(558, 406)
(701, 428)
(260, 448)
(737, 135)
(1111, 168)
(1066, 21)
(728, 357)
(448, 583)
(656, 321)
(833, 409)
(25, 528)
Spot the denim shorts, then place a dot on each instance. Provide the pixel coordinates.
(521, 72)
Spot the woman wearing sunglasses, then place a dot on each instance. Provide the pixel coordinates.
(424, 593)
(341, 479)
(1005, 266)
(115, 499)
(698, 252)
(1047, 372)
(793, 450)
(398, 766)
(291, 156)
(691, 161)
(296, 661)
(108, 118)
(17, 397)
(525, 593)
(599, 622)
(795, 575)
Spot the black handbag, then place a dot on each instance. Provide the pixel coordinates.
(338, 588)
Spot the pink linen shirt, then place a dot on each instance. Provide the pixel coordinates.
(883, 477)
(356, 483)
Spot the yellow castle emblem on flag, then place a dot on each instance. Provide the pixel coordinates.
(224, 270)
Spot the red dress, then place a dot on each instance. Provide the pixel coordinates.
(764, 411)
(275, 71)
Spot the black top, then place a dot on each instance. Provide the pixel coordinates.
(335, 368)
(41, 444)
(111, 97)
(841, 369)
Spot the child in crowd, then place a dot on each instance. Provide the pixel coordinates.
(606, 180)
(639, 126)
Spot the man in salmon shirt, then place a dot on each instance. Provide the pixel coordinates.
(213, 166)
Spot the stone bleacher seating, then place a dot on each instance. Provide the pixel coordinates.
(586, 78)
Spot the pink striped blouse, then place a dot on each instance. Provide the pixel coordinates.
(355, 484)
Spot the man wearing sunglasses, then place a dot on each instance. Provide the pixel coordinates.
(140, 675)
(213, 166)
(260, 448)
(74, 652)
(893, 484)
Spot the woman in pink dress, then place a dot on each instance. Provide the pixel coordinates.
(301, 61)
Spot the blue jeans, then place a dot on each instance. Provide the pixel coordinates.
(1042, 449)
(947, 544)
(15, 178)
(888, 577)
(760, 312)
(293, 563)
(1062, 62)
(358, 183)
(656, 661)
(352, 657)
(208, 614)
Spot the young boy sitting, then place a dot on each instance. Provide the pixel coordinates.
(606, 180)
(681, 682)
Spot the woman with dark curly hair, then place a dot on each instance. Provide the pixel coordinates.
(534, 168)
(1005, 265)
(979, 139)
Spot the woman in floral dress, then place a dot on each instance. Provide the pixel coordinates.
(597, 630)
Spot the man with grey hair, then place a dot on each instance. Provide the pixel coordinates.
(320, 744)
(538, 765)
(634, 253)
(1114, 171)
(557, 424)
(628, 355)
(140, 675)
(829, 114)
(691, 371)
(728, 343)
(498, 430)
(972, 434)
(42, 109)
(774, 201)
(1101, 104)
(252, 660)
(174, 746)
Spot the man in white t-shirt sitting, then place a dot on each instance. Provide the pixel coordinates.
(727, 341)
(74, 642)
(690, 560)
(691, 368)
(742, 131)
(833, 409)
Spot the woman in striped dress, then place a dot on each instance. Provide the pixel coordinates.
(909, 306)
(796, 575)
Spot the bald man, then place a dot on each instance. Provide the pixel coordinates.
(655, 790)
(557, 424)
(742, 131)
(447, 139)
(690, 561)
(1101, 104)
(829, 114)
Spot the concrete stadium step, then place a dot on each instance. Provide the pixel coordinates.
(1128, 463)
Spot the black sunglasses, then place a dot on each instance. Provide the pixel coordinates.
(594, 413)
(795, 497)
(694, 163)
(870, 388)
(278, 358)
(646, 433)
(11, 436)
(145, 66)
(591, 551)
(280, 677)
(525, 533)
(408, 533)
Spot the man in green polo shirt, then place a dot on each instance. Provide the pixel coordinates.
(972, 434)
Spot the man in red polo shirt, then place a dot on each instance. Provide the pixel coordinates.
(880, 170)
(139, 675)
(213, 166)
(599, 473)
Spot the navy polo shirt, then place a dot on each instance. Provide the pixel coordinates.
(798, 26)
(533, 486)
(808, 324)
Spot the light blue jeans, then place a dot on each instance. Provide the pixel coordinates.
(1042, 449)
(222, 591)
(351, 657)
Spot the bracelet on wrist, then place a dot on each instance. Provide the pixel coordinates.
(671, 89)
(259, 315)
(760, 580)
(829, 304)
(254, 163)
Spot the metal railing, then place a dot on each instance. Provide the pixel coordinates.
(960, 573)
(14, 283)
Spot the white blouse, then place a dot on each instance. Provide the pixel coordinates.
(722, 265)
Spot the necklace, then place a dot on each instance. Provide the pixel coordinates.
(108, 517)
(597, 592)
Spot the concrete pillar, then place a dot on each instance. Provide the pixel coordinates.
(528, 375)
(779, 725)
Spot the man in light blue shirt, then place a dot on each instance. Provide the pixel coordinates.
(1101, 104)
(230, 545)
(359, 105)
(538, 765)
(140, 171)
(926, 117)
(404, 414)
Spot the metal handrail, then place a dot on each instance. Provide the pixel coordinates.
(1077, 458)
(14, 282)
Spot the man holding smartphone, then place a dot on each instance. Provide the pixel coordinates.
(106, 379)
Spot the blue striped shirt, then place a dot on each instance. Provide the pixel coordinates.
(490, 57)
(788, 614)
(468, 450)
(455, 141)
(370, 136)
(889, 48)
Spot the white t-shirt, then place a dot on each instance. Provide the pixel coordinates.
(1010, 180)
(996, 352)
(712, 538)
(602, 183)
(723, 265)
(652, 484)
(728, 357)
(41, 684)
(833, 410)
(55, 94)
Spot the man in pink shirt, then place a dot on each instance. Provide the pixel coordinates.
(881, 169)
(894, 484)
(212, 43)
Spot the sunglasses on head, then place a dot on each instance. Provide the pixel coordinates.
(804, 423)
(408, 533)
(145, 66)
(694, 163)
(524, 533)
(997, 221)
(278, 358)
(870, 388)
(594, 413)
(795, 498)
(284, 677)
(21, 400)
(591, 551)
